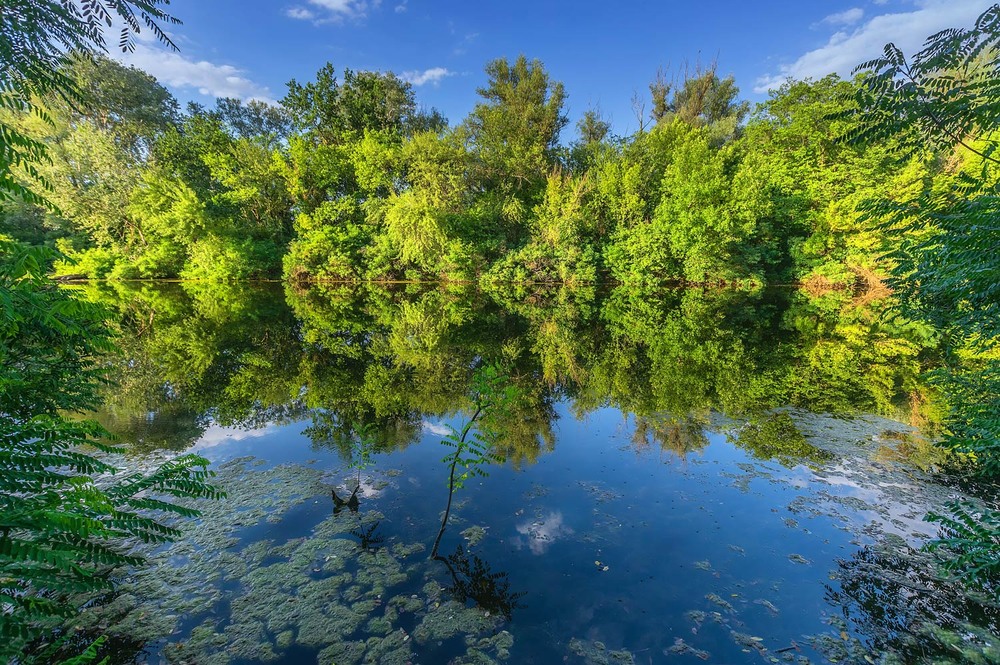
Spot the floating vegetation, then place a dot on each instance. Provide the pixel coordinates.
(599, 492)
(682, 648)
(474, 535)
(347, 601)
(749, 642)
(536, 492)
(697, 617)
(768, 605)
(721, 602)
(596, 653)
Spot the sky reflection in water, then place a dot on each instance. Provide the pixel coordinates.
(661, 503)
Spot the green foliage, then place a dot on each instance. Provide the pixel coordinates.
(817, 185)
(348, 181)
(37, 38)
(699, 222)
(946, 269)
(475, 446)
(152, 190)
(417, 227)
(66, 522)
(561, 247)
(592, 128)
(970, 540)
(516, 129)
(701, 99)
(945, 95)
(945, 98)
(329, 110)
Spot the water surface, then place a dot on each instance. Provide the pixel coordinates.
(691, 476)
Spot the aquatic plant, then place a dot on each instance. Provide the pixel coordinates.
(363, 446)
(475, 447)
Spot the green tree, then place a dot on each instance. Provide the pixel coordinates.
(255, 120)
(817, 185)
(515, 130)
(328, 109)
(36, 39)
(592, 127)
(62, 533)
(96, 150)
(946, 98)
(701, 99)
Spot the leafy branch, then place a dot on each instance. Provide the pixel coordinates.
(475, 446)
(68, 518)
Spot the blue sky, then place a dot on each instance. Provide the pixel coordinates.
(603, 52)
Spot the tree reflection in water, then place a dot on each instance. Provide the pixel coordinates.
(896, 600)
(352, 359)
(345, 358)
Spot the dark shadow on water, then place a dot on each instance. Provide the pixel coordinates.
(897, 601)
(473, 580)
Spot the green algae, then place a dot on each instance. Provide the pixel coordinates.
(342, 653)
(682, 648)
(596, 653)
(473, 535)
(323, 592)
(721, 602)
(451, 619)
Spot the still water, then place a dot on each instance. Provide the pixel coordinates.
(689, 476)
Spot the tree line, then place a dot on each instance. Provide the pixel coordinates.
(348, 179)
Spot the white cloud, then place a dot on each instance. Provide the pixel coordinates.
(466, 42)
(907, 30)
(439, 429)
(180, 71)
(401, 7)
(217, 435)
(540, 534)
(433, 75)
(846, 17)
(333, 11)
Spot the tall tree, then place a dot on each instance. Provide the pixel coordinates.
(255, 120)
(515, 130)
(96, 151)
(701, 99)
(36, 39)
(328, 109)
(592, 127)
